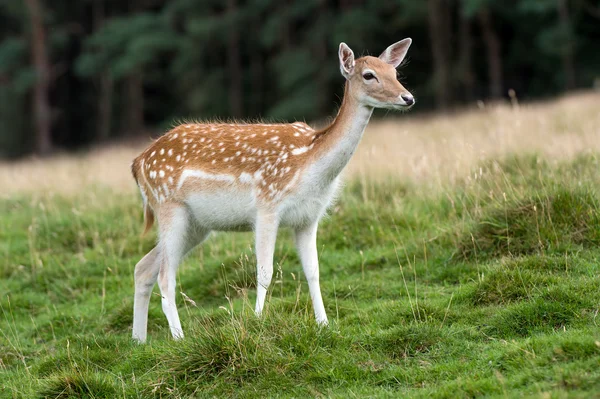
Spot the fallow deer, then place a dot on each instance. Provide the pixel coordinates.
(201, 177)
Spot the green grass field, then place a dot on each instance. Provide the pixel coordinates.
(485, 286)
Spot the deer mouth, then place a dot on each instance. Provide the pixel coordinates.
(402, 107)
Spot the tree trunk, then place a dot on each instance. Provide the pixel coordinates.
(465, 59)
(438, 15)
(323, 74)
(135, 103)
(286, 30)
(104, 105)
(567, 49)
(41, 103)
(134, 88)
(494, 56)
(236, 104)
(256, 71)
(257, 91)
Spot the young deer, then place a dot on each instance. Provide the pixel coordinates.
(240, 177)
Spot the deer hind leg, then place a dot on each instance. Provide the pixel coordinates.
(266, 235)
(146, 272)
(306, 243)
(176, 237)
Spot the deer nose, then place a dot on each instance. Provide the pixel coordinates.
(408, 98)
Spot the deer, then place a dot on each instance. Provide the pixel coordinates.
(204, 177)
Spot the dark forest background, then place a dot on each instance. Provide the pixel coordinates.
(78, 72)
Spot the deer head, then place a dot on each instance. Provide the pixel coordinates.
(372, 80)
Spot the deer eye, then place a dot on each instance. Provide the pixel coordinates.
(368, 76)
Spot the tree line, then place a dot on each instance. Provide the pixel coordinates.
(79, 72)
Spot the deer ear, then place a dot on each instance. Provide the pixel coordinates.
(394, 54)
(346, 60)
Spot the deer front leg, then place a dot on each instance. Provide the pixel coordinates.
(306, 243)
(146, 272)
(266, 235)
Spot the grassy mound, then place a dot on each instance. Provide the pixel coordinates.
(553, 222)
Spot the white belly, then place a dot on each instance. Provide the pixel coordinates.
(224, 211)
(229, 210)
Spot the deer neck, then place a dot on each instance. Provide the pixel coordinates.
(335, 145)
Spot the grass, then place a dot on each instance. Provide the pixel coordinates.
(485, 285)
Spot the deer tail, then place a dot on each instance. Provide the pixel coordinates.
(136, 167)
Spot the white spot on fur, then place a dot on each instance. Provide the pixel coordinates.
(300, 150)
(246, 177)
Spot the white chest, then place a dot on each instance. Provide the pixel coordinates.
(308, 204)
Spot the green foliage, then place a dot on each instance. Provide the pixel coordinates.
(127, 45)
(13, 53)
(181, 51)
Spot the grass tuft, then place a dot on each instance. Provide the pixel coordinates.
(410, 340)
(505, 286)
(77, 385)
(532, 317)
(534, 225)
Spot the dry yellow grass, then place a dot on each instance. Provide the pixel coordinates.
(446, 147)
(429, 149)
